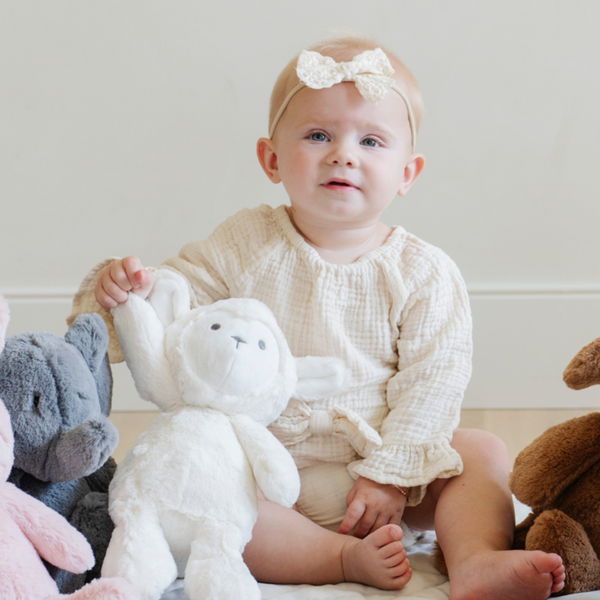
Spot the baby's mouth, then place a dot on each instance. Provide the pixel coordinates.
(339, 184)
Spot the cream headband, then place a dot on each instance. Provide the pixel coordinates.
(370, 72)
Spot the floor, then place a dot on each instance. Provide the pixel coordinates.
(516, 427)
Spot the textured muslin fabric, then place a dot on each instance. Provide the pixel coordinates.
(399, 316)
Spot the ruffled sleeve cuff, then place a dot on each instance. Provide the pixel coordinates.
(410, 466)
(85, 302)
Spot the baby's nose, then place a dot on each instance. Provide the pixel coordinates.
(342, 155)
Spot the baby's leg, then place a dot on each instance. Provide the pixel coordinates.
(286, 547)
(474, 521)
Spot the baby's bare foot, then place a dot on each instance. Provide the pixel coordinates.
(378, 560)
(508, 575)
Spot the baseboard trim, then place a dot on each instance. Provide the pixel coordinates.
(62, 294)
(521, 291)
(58, 294)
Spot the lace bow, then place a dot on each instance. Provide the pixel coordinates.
(300, 421)
(370, 72)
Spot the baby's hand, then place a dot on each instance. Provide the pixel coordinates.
(372, 505)
(119, 278)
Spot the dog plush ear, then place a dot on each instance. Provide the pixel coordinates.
(584, 370)
(170, 296)
(4, 319)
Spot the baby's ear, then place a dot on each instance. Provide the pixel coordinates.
(319, 376)
(170, 296)
(267, 157)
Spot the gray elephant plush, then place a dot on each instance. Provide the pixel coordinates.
(58, 393)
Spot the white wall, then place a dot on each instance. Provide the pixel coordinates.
(129, 127)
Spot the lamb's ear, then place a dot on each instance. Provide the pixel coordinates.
(88, 333)
(170, 296)
(4, 319)
(319, 376)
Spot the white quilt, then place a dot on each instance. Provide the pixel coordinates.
(426, 582)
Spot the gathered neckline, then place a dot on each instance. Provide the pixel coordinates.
(289, 230)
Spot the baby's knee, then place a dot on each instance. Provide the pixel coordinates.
(481, 446)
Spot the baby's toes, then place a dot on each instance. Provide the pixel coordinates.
(390, 550)
(400, 569)
(559, 577)
(401, 580)
(385, 535)
(559, 573)
(395, 560)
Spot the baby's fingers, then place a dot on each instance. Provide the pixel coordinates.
(382, 520)
(104, 299)
(129, 275)
(356, 510)
(138, 278)
(113, 291)
(366, 524)
(143, 282)
(117, 273)
(128, 272)
(107, 292)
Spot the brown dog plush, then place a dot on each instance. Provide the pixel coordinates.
(558, 476)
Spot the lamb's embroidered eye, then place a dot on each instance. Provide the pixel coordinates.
(261, 345)
(215, 327)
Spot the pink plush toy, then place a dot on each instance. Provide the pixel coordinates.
(29, 529)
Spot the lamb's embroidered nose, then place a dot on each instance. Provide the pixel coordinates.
(239, 341)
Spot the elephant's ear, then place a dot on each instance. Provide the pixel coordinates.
(4, 319)
(89, 335)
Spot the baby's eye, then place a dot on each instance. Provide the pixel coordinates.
(370, 142)
(318, 136)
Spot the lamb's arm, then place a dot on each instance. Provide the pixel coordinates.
(141, 335)
(54, 539)
(274, 468)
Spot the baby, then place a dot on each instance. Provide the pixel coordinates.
(342, 138)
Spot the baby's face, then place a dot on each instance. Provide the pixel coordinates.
(341, 158)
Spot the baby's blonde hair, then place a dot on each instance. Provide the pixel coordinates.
(344, 47)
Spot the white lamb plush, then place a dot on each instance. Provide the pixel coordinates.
(184, 499)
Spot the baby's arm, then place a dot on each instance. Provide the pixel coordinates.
(120, 277)
(424, 396)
